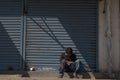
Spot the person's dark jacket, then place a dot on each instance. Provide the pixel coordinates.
(68, 58)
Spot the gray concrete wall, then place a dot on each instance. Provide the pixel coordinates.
(102, 38)
(115, 36)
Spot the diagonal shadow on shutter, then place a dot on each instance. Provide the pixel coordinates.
(10, 26)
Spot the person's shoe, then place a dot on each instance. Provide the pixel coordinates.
(60, 76)
(76, 75)
(71, 75)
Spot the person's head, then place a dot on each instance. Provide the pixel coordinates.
(69, 51)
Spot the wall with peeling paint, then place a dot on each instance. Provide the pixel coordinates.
(115, 36)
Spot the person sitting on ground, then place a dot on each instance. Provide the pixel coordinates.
(69, 63)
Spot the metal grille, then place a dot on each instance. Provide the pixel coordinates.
(53, 25)
(10, 24)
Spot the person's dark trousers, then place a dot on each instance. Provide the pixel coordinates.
(74, 67)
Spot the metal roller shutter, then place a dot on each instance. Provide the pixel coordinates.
(53, 25)
(10, 24)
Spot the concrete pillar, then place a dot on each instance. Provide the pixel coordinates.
(115, 41)
(119, 34)
(102, 51)
(115, 34)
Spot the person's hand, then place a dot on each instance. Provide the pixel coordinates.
(69, 62)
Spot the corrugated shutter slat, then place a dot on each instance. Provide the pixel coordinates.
(10, 27)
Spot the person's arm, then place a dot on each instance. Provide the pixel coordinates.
(73, 60)
(69, 62)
